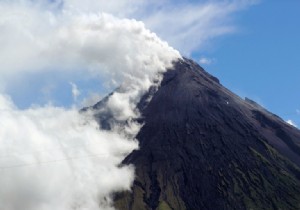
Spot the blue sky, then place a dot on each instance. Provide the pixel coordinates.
(262, 59)
(56, 56)
(252, 46)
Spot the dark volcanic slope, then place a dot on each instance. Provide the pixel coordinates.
(202, 147)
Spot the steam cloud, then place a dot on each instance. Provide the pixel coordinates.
(57, 158)
(52, 158)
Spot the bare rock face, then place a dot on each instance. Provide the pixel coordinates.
(204, 148)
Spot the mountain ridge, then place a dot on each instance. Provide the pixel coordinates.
(203, 147)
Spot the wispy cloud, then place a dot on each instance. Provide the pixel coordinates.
(75, 91)
(291, 122)
(206, 61)
(185, 25)
(44, 41)
(91, 99)
(190, 26)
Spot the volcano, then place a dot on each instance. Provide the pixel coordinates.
(204, 148)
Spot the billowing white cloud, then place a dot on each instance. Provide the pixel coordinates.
(100, 43)
(81, 45)
(186, 25)
(41, 30)
(291, 122)
(56, 158)
(53, 158)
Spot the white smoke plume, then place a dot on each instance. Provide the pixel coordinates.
(53, 157)
(37, 40)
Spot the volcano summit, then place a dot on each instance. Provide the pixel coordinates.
(203, 147)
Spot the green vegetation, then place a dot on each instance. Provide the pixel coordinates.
(163, 206)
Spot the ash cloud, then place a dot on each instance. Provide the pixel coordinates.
(54, 157)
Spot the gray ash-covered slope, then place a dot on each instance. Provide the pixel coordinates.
(204, 148)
